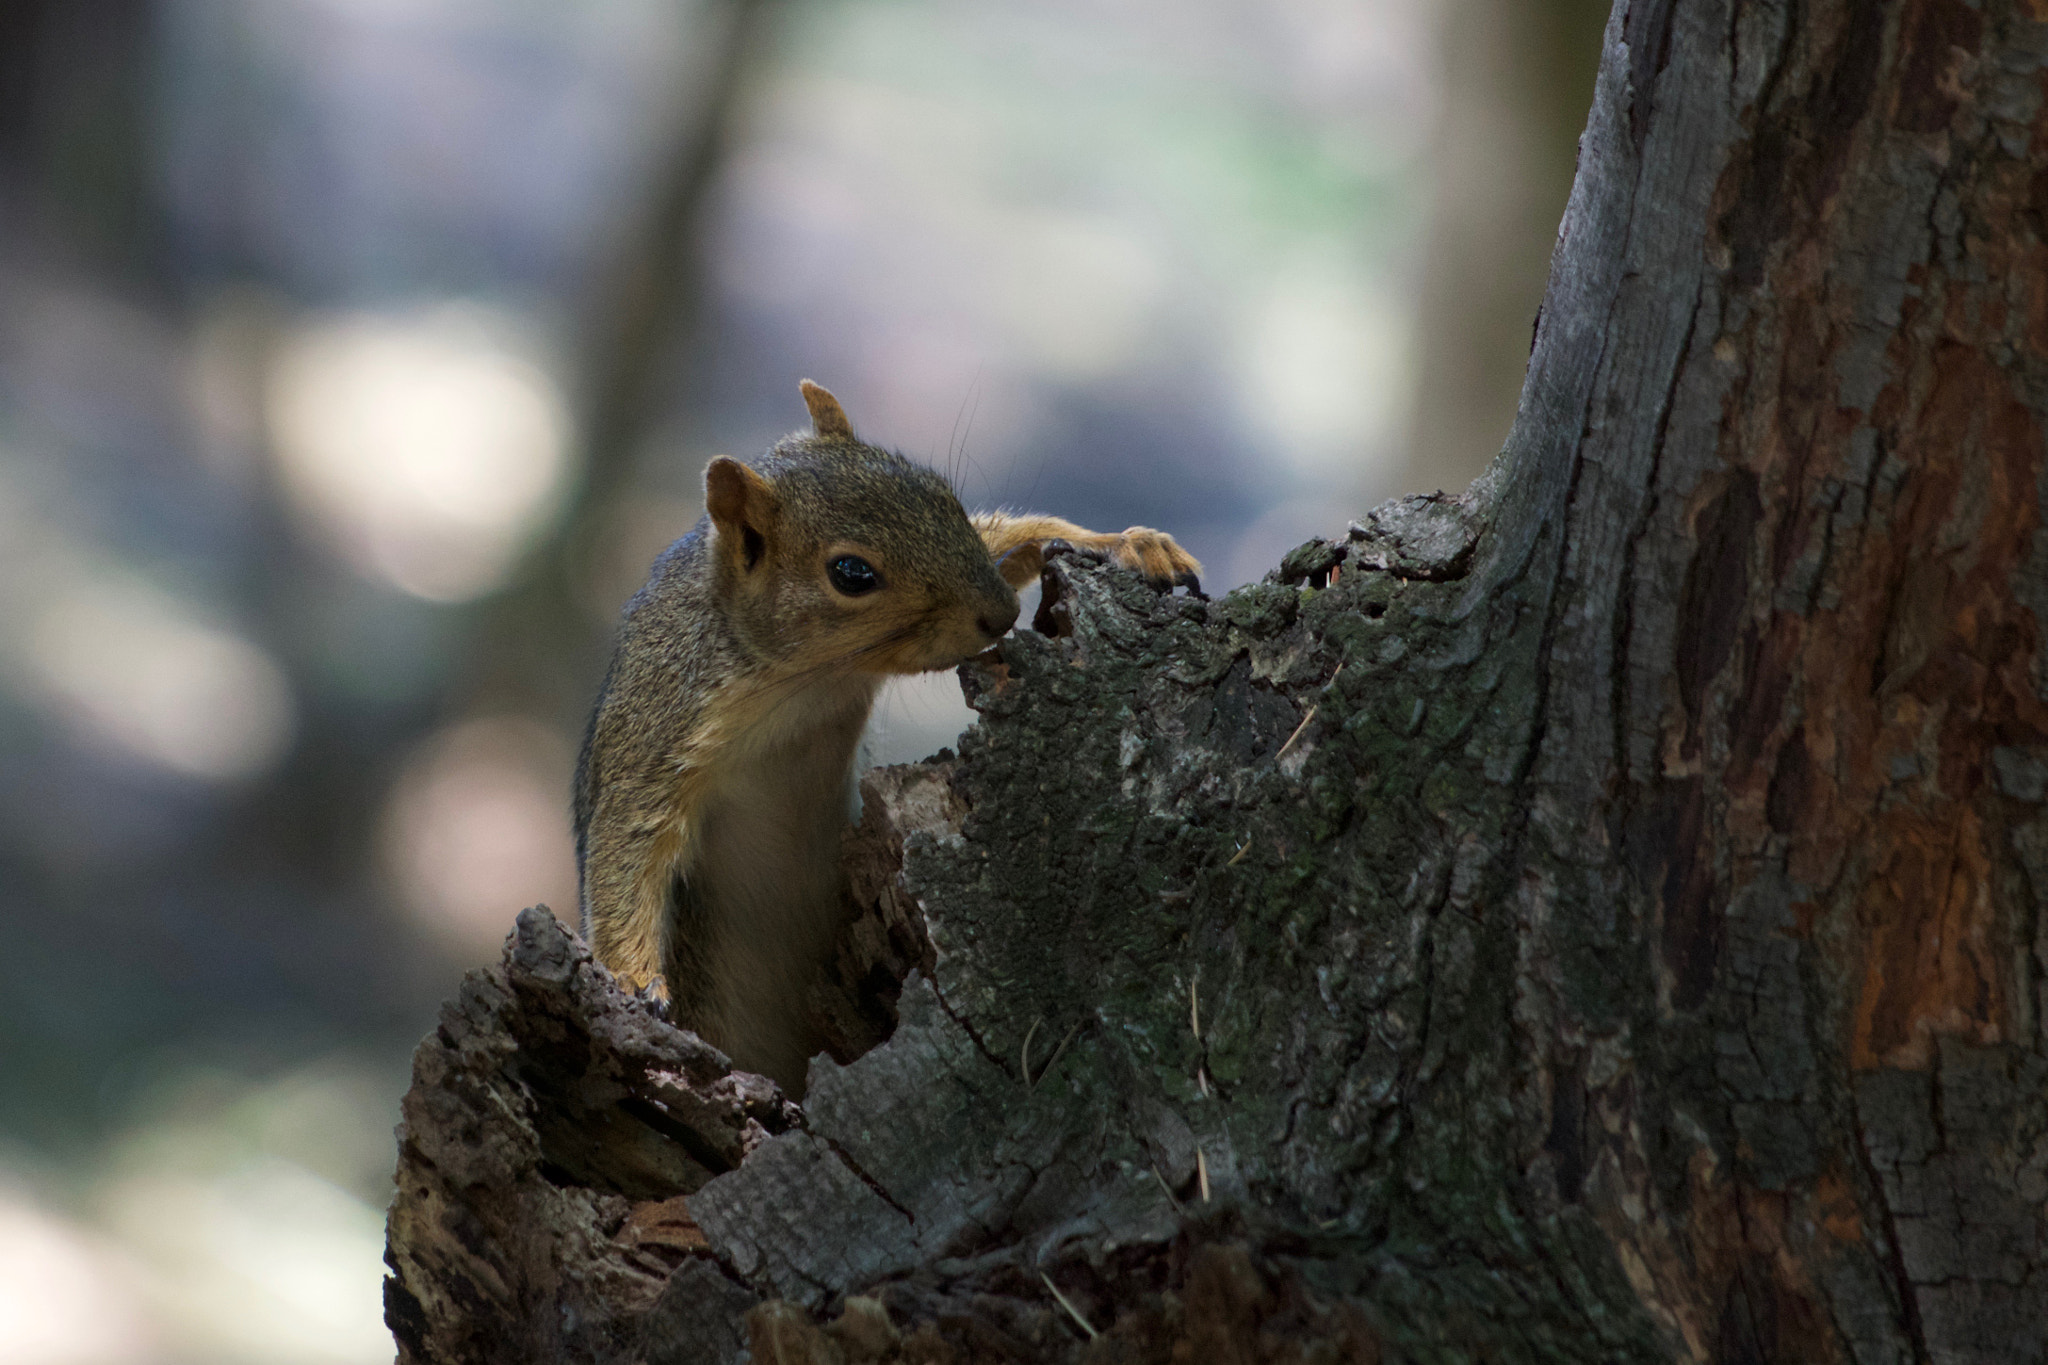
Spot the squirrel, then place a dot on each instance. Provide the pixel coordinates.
(716, 774)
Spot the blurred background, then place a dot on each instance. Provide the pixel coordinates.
(356, 358)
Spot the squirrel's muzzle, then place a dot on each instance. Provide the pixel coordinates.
(995, 621)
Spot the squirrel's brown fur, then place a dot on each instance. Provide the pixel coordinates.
(713, 785)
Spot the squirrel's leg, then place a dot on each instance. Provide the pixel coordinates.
(1016, 542)
(637, 858)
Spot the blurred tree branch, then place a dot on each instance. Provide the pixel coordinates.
(537, 648)
(74, 122)
(1517, 77)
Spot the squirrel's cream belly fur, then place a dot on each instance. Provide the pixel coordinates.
(766, 869)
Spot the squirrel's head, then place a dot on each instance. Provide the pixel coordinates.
(830, 553)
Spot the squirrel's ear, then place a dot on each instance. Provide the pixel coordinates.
(741, 504)
(828, 419)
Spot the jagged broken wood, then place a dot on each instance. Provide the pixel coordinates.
(1595, 918)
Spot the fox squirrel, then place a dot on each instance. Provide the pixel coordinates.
(715, 777)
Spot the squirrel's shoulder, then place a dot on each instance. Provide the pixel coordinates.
(673, 647)
(673, 627)
(683, 567)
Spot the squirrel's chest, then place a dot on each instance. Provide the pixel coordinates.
(770, 820)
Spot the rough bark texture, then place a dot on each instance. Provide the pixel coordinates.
(1596, 919)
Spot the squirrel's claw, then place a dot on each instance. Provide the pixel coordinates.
(1156, 555)
(652, 993)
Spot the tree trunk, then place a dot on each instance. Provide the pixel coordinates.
(1595, 919)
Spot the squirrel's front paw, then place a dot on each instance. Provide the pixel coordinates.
(1158, 556)
(653, 993)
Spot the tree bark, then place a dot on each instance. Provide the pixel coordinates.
(1597, 918)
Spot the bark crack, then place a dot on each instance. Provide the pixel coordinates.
(946, 1008)
(1624, 628)
(846, 1159)
(1894, 1258)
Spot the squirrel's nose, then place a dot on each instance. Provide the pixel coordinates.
(996, 623)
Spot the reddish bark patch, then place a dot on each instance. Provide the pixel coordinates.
(1952, 681)
(1836, 1210)
(1752, 1251)
(1780, 182)
(1858, 732)
(1930, 963)
(1942, 37)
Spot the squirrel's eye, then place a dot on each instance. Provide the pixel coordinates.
(853, 575)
